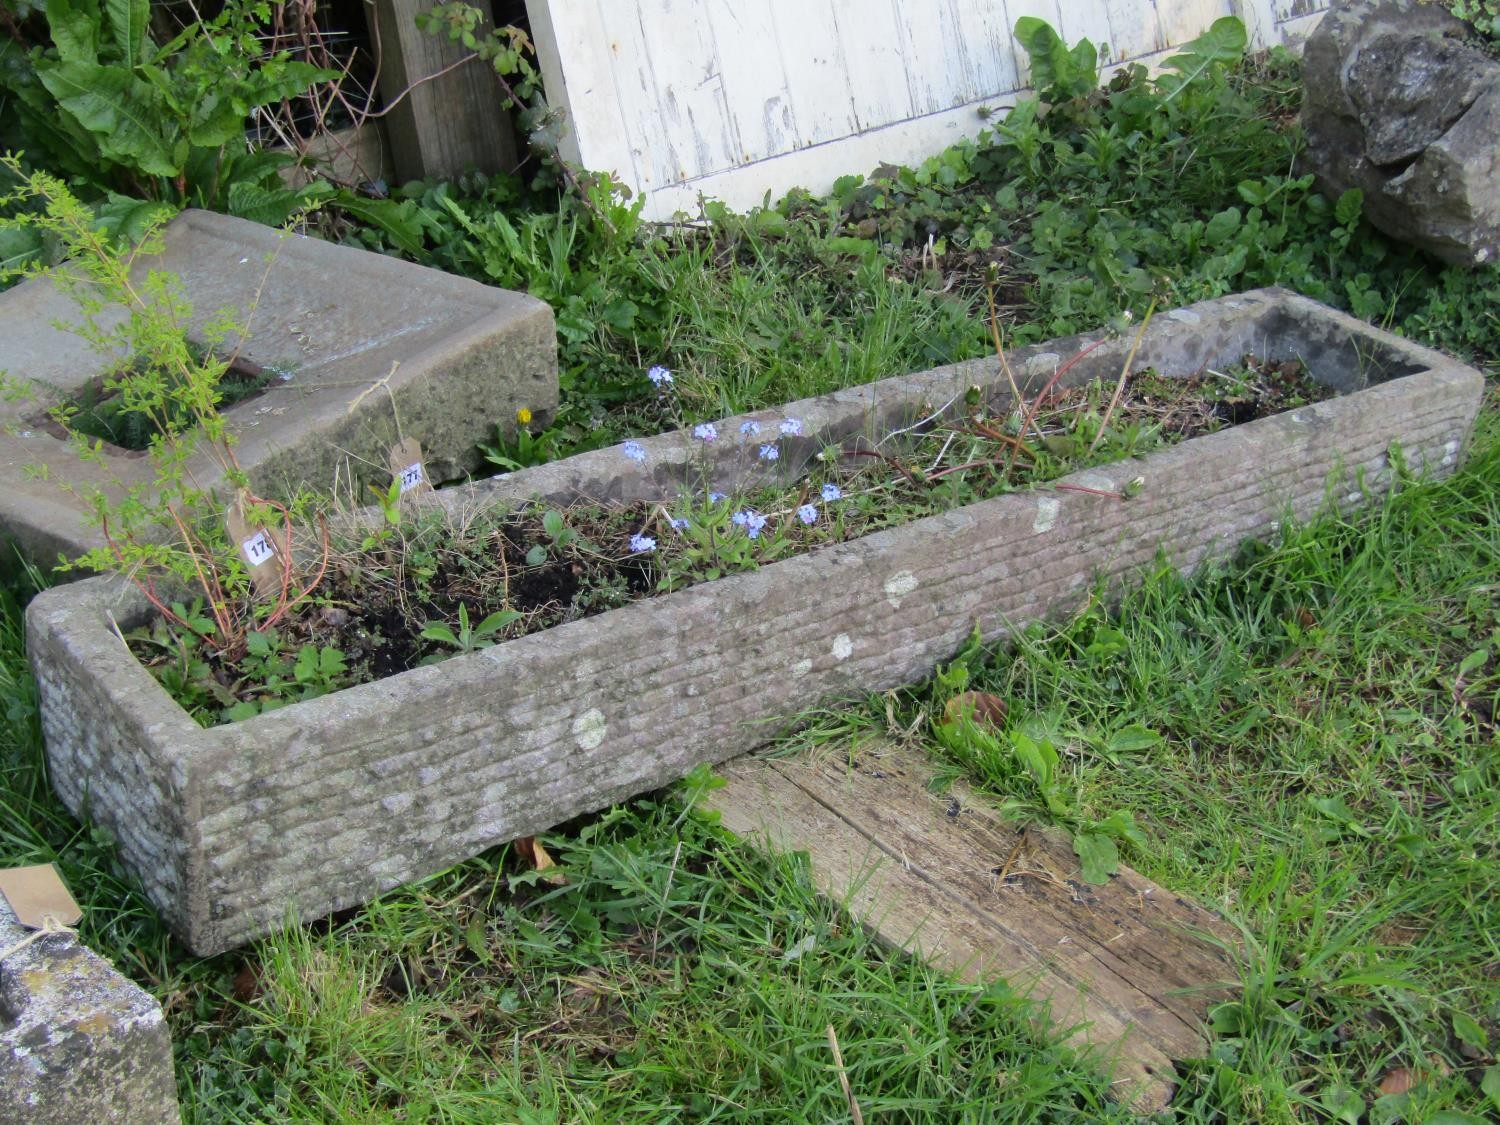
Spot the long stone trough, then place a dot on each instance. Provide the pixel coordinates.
(324, 804)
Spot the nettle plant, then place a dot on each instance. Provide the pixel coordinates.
(168, 535)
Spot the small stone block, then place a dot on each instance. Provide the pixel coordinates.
(78, 1041)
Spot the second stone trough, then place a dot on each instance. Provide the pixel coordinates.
(362, 349)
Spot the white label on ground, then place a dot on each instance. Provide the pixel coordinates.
(257, 549)
(411, 476)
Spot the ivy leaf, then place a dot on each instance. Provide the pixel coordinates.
(1222, 226)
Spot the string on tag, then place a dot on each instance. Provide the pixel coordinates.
(50, 925)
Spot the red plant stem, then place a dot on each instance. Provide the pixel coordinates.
(1036, 404)
(1090, 491)
(887, 458)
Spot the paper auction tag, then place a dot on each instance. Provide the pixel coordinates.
(407, 467)
(256, 547)
(37, 893)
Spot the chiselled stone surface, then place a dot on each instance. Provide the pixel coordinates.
(371, 349)
(320, 805)
(78, 1041)
(1398, 105)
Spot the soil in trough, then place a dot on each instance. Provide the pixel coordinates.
(426, 587)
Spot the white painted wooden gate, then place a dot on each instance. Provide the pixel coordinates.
(740, 99)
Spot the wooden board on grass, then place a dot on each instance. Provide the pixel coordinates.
(1126, 970)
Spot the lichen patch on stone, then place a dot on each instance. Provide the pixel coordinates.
(589, 729)
(898, 585)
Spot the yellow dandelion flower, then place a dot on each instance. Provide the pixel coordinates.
(523, 416)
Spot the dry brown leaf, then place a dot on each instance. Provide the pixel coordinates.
(1397, 1080)
(247, 985)
(980, 706)
(530, 849)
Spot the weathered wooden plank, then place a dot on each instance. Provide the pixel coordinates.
(690, 110)
(762, 120)
(984, 26)
(908, 911)
(936, 69)
(1182, 21)
(647, 122)
(1294, 9)
(818, 77)
(887, 80)
(1259, 17)
(448, 125)
(1089, 19)
(1135, 28)
(874, 61)
(577, 59)
(1120, 965)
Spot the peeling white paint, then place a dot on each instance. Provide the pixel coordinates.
(589, 729)
(843, 647)
(1047, 508)
(898, 585)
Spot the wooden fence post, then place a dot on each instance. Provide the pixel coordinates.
(450, 124)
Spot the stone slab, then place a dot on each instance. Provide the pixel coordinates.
(78, 1041)
(321, 805)
(373, 348)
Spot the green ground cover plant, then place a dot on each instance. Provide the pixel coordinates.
(1305, 739)
(1078, 206)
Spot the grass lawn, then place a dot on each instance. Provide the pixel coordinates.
(1307, 735)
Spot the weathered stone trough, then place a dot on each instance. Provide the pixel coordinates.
(369, 349)
(321, 805)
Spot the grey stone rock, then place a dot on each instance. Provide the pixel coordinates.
(373, 348)
(321, 805)
(79, 1043)
(1398, 105)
